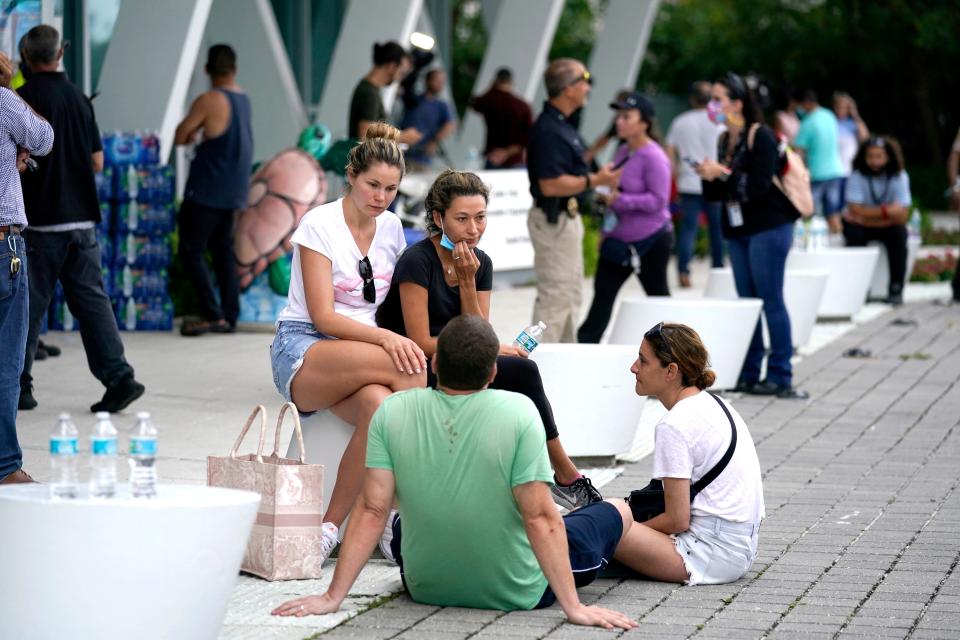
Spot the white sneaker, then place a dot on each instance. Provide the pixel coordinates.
(387, 537)
(328, 539)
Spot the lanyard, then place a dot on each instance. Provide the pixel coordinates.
(881, 199)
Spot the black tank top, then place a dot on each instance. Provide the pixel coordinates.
(220, 171)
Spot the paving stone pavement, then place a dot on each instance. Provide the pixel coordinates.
(862, 535)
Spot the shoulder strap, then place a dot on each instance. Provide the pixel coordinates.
(751, 136)
(718, 468)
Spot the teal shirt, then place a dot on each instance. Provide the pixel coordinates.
(456, 459)
(818, 137)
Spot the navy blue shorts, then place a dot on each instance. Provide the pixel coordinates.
(593, 533)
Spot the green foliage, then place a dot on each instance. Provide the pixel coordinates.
(898, 59)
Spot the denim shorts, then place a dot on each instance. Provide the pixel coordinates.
(717, 551)
(288, 349)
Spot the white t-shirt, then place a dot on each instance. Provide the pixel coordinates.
(690, 439)
(325, 231)
(695, 137)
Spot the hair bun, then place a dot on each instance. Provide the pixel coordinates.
(706, 379)
(381, 130)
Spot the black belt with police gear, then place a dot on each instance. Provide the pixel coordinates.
(555, 207)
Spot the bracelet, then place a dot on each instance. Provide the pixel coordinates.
(883, 212)
(587, 178)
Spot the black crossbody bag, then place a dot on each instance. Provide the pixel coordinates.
(648, 502)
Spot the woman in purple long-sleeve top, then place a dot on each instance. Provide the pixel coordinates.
(637, 232)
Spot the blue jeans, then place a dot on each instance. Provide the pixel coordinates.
(691, 204)
(13, 338)
(829, 195)
(759, 261)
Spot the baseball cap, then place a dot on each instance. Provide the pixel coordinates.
(636, 100)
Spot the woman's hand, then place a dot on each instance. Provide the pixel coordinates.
(711, 169)
(465, 263)
(308, 606)
(406, 354)
(513, 350)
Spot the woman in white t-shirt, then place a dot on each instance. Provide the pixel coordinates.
(712, 540)
(328, 352)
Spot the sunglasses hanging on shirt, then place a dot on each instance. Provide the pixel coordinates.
(366, 272)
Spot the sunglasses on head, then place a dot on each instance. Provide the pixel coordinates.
(584, 77)
(660, 333)
(366, 272)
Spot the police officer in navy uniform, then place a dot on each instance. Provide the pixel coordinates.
(559, 180)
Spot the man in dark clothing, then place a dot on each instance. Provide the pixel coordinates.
(62, 209)
(216, 187)
(508, 121)
(391, 63)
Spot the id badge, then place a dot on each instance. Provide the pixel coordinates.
(734, 214)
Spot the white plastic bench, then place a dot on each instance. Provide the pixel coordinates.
(881, 274)
(325, 437)
(802, 292)
(593, 396)
(725, 326)
(851, 270)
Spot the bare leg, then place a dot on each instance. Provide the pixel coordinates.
(651, 553)
(357, 410)
(563, 467)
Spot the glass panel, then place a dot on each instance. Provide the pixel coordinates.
(101, 18)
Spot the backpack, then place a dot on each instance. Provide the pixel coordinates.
(793, 179)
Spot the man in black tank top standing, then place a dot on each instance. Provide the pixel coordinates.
(216, 188)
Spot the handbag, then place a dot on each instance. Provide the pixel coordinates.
(648, 502)
(793, 180)
(285, 543)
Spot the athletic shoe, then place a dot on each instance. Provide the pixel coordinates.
(119, 396)
(27, 402)
(386, 538)
(579, 494)
(328, 540)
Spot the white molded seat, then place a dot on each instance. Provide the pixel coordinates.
(725, 326)
(592, 393)
(325, 437)
(851, 270)
(802, 292)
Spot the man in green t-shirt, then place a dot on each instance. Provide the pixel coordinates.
(469, 469)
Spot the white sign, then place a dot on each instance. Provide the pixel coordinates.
(506, 239)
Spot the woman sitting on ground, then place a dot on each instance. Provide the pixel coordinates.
(444, 276)
(713, 539)
(328, 352)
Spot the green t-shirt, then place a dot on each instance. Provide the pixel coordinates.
(456, 459)
(818, 136)
(366, 104)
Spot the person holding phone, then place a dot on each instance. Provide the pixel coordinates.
(637, 231)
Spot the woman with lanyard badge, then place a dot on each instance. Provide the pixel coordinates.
(878, 206)
(758, 224)
(637, 232)
(328, 352)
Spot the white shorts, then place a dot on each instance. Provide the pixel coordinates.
(716, 551)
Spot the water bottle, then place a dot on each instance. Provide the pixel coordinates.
(103, 457)
(63, 459)
(799, 235)
(913, 226)
(529, 338)
(130, 315)
(143, 455)
(473, 159)
(133, 182)
(817, 237)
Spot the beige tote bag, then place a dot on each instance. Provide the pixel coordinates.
(285, 541)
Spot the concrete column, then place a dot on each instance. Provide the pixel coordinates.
(521, 38)
(616, 58)
(147, 69)
(365, 22)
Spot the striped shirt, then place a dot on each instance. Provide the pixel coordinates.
(19, 126)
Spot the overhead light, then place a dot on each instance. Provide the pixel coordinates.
(421, 41)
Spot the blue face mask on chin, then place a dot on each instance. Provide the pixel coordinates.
(445, 240)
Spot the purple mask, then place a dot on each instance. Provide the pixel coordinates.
(715, 112)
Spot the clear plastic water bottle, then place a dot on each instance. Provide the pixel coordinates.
(817, 235)
(529, 338)
(913, 226)
(103, 457)
(799, 235)
(133, 182)
(143, 454)
(63, 459)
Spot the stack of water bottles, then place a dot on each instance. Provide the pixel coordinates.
(64, 449)
(137, 206)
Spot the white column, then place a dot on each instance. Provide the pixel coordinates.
(365, 22)
(521, 38)
(616, 58)
(147, 68)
